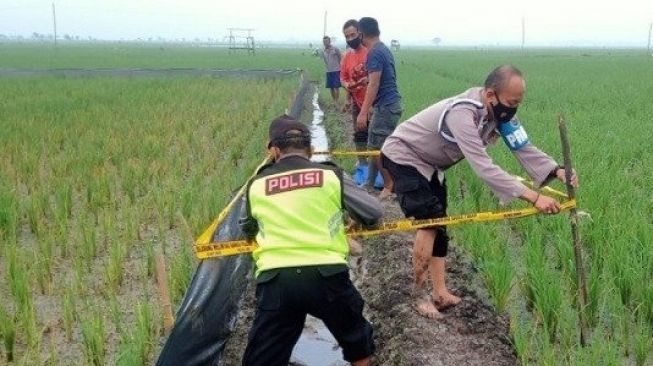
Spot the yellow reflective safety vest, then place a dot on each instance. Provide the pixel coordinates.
(298, 208)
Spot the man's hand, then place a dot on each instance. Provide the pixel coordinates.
(561, 175)
(546, 204)
(361, 121)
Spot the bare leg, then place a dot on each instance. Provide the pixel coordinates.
(441, 295)
(421, 255)
(388, 182)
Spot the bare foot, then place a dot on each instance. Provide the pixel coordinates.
(446, 300)
(355, 248)
(385, 193)
(425, 307)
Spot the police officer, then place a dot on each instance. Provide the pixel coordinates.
(296, 211)
(428, 143)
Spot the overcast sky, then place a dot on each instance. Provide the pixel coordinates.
(599, 23)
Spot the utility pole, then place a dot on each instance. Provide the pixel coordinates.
(650, 30)
(325, 22)
(523, 32)
(54, 22)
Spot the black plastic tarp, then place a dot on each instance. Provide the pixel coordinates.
(207, 315)
(208, 312)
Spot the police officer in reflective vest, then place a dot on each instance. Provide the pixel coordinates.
(296, 211)
(428, 143)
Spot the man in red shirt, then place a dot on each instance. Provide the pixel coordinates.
(353, 76)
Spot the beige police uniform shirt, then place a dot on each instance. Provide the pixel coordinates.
(418, 142)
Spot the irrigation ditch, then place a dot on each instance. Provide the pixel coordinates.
(469, 334)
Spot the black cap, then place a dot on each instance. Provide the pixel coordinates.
(282, 125)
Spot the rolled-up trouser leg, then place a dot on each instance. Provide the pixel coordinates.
(441, 242)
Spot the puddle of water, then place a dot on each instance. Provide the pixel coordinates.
(318, 133)
(316, 345)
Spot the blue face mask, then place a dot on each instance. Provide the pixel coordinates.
(503, 113)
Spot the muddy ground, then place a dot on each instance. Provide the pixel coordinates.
(469, 334)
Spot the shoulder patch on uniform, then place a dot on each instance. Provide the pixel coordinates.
(514, 134)
(293, 181)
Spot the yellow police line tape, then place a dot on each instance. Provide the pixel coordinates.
(205, 248)
(348, 153)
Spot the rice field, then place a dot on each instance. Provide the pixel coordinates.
(98, 173)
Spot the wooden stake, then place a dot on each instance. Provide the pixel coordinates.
(164, 295)
(573, 215)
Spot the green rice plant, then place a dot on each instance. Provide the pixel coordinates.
(643, 341)
(189, 198)
(544, 287)
(43, 260)
(116, 314)
(598, 351)
(534, 263)
(498, 275)
(521, 339)
(594, 293)
(565, 257)
(144, 335)
(61, 232)
(98, 190)
(19, 286)
(624, 277)
(181, 271)
(108, 228)
(137, 343)
(93, 335)
(568, 332)
(8, 212)
(131, 221)
(187, 237)
(80, 269)
(547, 350)
(8, 332)
(35, 214)
(128, 353)
(89, 239)
(646, 305)
(114, 270)
(162, 231)
(69, 312)
(64, 199)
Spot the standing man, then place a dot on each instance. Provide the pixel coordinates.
(295, 210)
(353, 76)
(382, 94)
(428, 143)
(332, 58)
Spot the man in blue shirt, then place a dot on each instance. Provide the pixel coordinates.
(382, 94)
